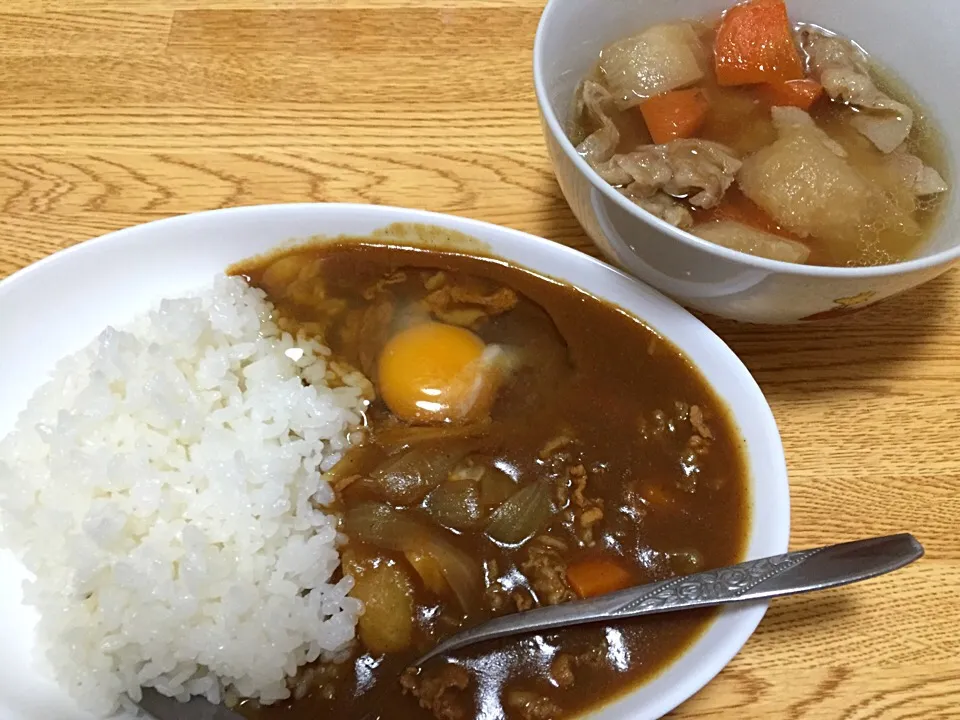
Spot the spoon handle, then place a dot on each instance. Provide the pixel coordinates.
(796, 572)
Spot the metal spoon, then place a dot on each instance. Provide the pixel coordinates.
(789, 574)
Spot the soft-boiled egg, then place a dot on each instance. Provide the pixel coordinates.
(436, 373)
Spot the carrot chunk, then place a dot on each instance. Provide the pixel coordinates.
(597, 576)
(755, 45)
(796, 93)
(675, 114)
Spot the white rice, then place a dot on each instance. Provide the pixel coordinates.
(159, 487)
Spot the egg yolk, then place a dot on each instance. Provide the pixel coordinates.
(435, 373)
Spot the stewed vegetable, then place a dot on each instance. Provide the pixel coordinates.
(766, 136)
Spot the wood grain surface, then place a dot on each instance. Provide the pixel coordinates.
(115, 112)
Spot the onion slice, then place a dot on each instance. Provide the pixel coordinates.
(521, 517)
(406, 532)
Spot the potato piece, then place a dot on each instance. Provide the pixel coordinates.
(737, 236)
(660, 59)
(386, 624)
(803, 184)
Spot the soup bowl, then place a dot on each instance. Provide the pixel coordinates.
(59, 304)
(914, 41)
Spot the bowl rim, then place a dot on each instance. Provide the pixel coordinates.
(709, 661)
(555, 127)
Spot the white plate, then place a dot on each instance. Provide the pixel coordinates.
(59, 304)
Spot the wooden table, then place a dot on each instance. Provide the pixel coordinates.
(115, 112)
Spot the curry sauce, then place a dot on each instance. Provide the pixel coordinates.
(602, 447)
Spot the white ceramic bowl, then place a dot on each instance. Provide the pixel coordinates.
(59, 304)
(915, 40)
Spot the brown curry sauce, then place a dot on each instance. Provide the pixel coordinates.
(655, 445)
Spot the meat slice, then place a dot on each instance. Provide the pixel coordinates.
(654, 176)
(664, 207)
(440, 690)
(698, 170)
(593, 105)
(918, 178)
(845, 75)
(810, 190)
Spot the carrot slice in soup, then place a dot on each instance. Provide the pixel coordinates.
(675, 114)
(755, 45)
(597, 576)
(796, 93)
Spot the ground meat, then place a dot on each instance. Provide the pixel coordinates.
(579, 512)
(320, 679)
(564, 664)
(497, 598)
(463, 305)
(495, 303)
(383, 283)
(555, 444)
(595, 657)
(526, 705)
(561, 458)
(522, 599)
(699, 422)
(585, 522)
(439, 691)
(496, 594)
(546, 570)
(585, 512)
(561, 670)
(696, 448)
(578, 477)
